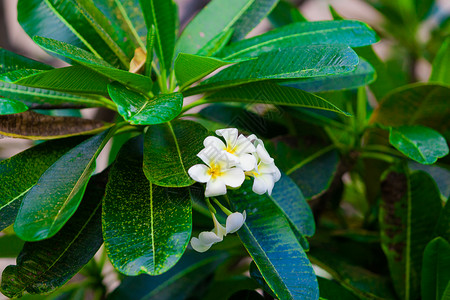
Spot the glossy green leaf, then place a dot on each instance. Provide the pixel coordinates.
(217, 17)
(10, 61)
(417, 104)
(440, 72)
(170, 149)
(273, 246)
(89, 60)
(76, 79)
(436, 269)
(10, 245)
(216, 44)
(442, 229)
(408, 213)
(364, 74)
(146, 227)
(34, 97)
(41, 216)
(440, 174)
(256, 275)
(271, 93)
(9, 106)
(163, 15)
(175, 284)
(151, 36)
(287, 63)
(34, 126)
(135, 15)
(351, 33)
(77, 22)
(22, 171)
(190, 68)
(419, 143)
(285, 13)
(46, 265)
(252, 16)
(141, 110)
(289, 198)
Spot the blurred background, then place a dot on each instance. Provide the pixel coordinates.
(427, 35)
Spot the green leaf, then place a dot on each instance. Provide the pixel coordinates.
(351, 33)
(146, 227)
(46, 265)
(217, 17)
(285, 13)
(313, 174)
(416, 104)
(408, 213)
(163, 15)
(76, 79)
(273, 246)
(256, 275)
(216, 44)
(9, 106)
(10, 61)
(22, 171)
(76, 22)
(190, 68)
(419, 143)
(436, 269)
(41, 216)
(289, 198)
(287, 63)
(141, 110)
(252, 16)
(440, 174)
(364, 74)
(440, 73)
(34, 126)
(10, 246)
(89, 60)
(442, 229)
(34, 97)
(175, 284)
(271, 93)
(170, 149)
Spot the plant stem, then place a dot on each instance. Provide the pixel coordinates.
(194, 104)
(379, 156)
(223, 208)
(211, 208)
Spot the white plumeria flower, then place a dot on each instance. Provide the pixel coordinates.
(265, 172)
(238, 147)
(218, 173)
(208, 238)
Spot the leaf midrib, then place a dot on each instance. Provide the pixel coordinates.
(178, 148)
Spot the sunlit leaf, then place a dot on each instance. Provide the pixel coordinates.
(146, 227)
(41, 216)
(142, 110)
(170, 149)
(419, 143)
(9, 106)
(46, 265)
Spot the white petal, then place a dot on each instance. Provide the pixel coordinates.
(219, 230)
(214, 142)
(247, 162)
(233, 177)
(199, 173)
(259, 186)
(229, 134)
(264, 168)
(276, 175)
(263, 154)
(227, 160)
(252, 137)
(244, 145)
(209, 238)
(269, 182)
(235, 222)
(215, 187)
(198, 246)
(209, 154)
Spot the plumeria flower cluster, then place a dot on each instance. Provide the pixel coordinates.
(228, 164)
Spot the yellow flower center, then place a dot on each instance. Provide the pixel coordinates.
(230, 150)
(214, 171)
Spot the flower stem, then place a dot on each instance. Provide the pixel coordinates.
(223, 208)
(194, 104)
(211, 208)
